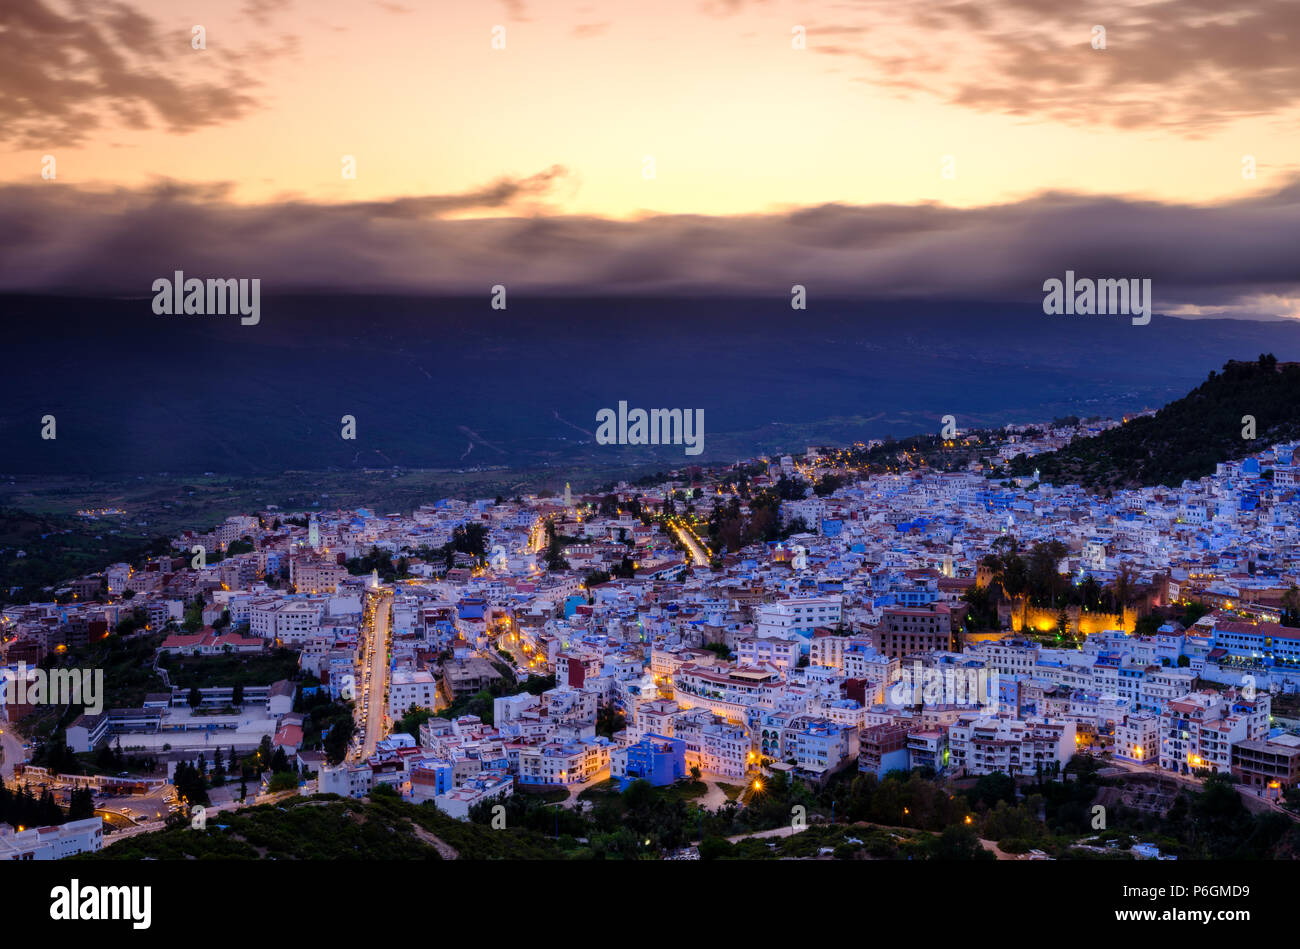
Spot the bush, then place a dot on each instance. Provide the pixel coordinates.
(882, 847)
(283, 781)
(715, 848)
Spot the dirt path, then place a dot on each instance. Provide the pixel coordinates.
(993, 849)
(445, 850)
(713, 798)
(774, 832)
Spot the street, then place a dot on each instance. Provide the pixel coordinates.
(684, 534)
(372, 696)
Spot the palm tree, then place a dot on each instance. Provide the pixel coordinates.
(1123, 586)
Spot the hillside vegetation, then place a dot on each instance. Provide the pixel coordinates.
(1188, 437)
(326, 827)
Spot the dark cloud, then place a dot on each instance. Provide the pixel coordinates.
(62, 75)
(501, 194)
(1184, 65)
(54, 237)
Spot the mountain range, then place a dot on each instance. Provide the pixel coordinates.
(452, 383)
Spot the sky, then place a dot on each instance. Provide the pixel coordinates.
(856, 146)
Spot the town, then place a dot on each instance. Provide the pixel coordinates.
(734, 629)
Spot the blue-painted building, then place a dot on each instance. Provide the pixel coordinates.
(430, 778)
(654, 758)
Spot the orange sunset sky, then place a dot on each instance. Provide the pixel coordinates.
(1011, 97)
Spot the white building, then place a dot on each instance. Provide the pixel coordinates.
(407, 688)
(489, 785)
(293, 622)
(1018, 748)
(1138, 739)
(564, 763)
(798, 616)
(52, 843)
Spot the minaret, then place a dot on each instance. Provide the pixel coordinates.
(313, 533)
(568, 495)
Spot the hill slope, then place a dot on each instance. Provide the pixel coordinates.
(326, 827)
(449, 383)
(1189, 436)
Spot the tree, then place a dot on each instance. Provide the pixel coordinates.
(1148, 625)
(991, 788)
(1291, 607)
(282, 781)
(48, 811)
(411, 721)
(482, 705)
(195, 697)
(1044, 577)
(554, 549)
(81, 805)
(828, 485)
(193, 615)
(1193, 612)
(1123, 586)
(1090, 593)
(715, 848)
(983, 610)
(960, 843)
(279, 761)
(104, 758)
(190, 784)
(609, 720)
